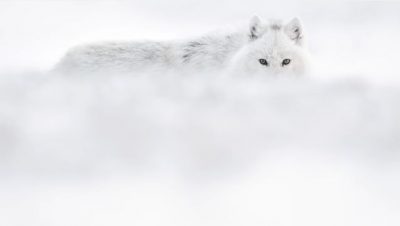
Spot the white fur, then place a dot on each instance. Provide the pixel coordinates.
(237, 52)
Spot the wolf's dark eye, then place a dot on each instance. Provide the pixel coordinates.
(285, 62)
(263, 62)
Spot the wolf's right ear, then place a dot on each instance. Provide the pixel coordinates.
(255, 28)
(294, 30)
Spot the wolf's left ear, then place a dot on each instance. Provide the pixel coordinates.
(294, 30)
(255, 28)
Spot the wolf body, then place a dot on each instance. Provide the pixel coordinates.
(261, 48)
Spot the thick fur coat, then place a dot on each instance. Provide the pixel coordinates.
(264, 47)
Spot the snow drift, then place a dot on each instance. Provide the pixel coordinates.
(168, 149)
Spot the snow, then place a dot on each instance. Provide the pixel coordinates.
(199, 149)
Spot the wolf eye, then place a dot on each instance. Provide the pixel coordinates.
(263, 62)
(285, 62)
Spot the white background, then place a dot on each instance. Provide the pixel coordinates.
(199, 150)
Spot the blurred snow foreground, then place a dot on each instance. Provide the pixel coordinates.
(163, 113)
(197, 150)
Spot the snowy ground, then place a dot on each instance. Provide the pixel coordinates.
(199, 149)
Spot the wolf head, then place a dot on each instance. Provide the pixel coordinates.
(273, 48)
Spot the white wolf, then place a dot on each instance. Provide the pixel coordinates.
(265, 47)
